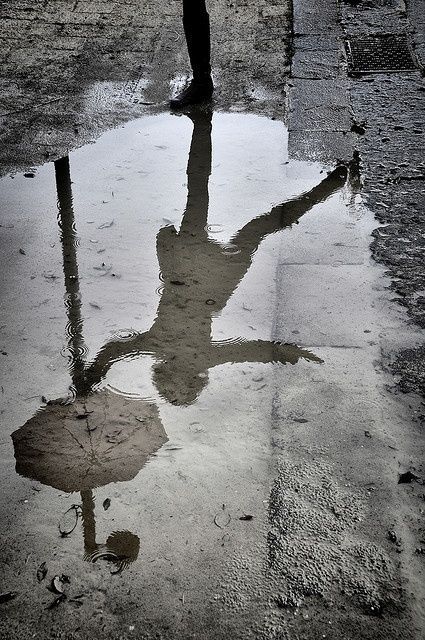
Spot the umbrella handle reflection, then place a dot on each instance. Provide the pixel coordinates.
(121, 548)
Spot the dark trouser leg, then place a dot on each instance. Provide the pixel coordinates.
(196, 25)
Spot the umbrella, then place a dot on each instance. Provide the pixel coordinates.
(100, 439)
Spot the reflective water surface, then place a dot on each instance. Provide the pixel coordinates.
(155, 387)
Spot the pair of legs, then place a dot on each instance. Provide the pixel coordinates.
(196, 24)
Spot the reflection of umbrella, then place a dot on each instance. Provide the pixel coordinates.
(99, 438)
(94, 441)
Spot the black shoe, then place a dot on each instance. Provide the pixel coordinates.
(197, 91)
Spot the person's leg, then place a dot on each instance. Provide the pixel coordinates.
(196, 26)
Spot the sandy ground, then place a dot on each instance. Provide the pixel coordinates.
(251, 340)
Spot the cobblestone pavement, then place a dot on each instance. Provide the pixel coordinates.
(389, 110)
(380, 117)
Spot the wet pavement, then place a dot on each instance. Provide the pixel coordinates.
(178, 337)
(71, 70)
(199, 434)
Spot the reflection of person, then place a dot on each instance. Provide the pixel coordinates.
(199, 277)
(196, 25)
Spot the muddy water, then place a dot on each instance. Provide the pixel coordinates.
(161, 286)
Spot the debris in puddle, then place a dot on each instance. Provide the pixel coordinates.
(407, 477)
(106, 225)
(106, 503)
(179, 283)
(7, 596)
(57, 584)
(225, 539)
(83, 416)
(103, 267)
(56, 602)
(69, 520)
(22, 252)
(41, 572)
(246, 517)
(392, 537)
(359, 128)
(50, 276)
(367, 434)
(222, 518)
(210, 301)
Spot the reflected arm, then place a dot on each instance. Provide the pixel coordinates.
(109, 354)
(286, 214)
(260, 351)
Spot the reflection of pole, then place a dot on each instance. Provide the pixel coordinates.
(70, 267)
(89, 522)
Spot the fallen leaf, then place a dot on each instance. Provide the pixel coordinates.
(9, 595)
(106, 225)
(406, 477)
(41, 572)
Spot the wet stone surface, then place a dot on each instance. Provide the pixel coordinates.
(169, 374)
(391, 143)
(72, 69)
(197, 438)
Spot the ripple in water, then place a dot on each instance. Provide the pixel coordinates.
(214, 228)
(230, 250)
(73, 328)
(71, 353)
(124, 335)
(235, 340)
(160, 290)
(72, 394)
(72, 298)
(129, 395)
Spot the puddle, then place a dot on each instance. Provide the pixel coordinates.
(145, 318)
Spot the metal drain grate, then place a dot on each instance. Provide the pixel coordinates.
(379, 53)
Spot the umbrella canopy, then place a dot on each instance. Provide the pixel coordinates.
(95, 440)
